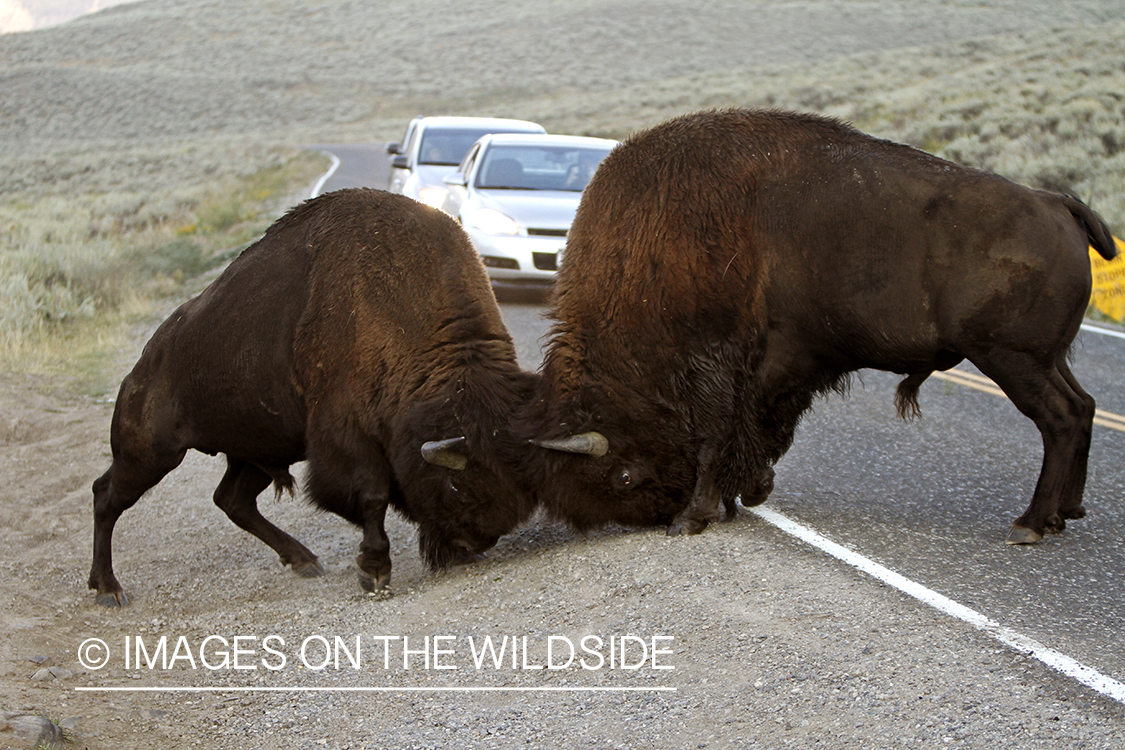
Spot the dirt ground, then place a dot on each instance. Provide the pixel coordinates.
(740, 637)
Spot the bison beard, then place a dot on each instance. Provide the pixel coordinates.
(359, 329)
(724, 268)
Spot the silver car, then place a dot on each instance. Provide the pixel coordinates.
(516, 196)
(433, 147)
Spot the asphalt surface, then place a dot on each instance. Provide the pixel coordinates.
(360, 165)
(933, 499)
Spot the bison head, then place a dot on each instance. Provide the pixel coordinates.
(476, 502)
(611, 467)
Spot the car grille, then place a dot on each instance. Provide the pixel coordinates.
(545, 261)
(547, 232)
(493, 262)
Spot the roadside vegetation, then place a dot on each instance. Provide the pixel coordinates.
(77, 268)
(101, 226)
(1046, 110)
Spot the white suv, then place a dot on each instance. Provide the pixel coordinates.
(433, 147)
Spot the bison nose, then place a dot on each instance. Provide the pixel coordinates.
(467, 552)
(464, 554)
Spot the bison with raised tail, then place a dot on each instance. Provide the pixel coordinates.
(726, 267)
(360, 333)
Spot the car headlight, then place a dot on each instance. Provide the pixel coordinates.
(491, 221)
(432, 196)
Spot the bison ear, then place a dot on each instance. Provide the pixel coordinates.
(587, 443)
(445, 453)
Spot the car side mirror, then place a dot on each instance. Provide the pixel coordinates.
(399, 162)
(394, 147)
(456, 178)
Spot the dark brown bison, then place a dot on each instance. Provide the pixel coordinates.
(724, 268)
(360, 333)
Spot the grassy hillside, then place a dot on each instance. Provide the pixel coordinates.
(143, 144)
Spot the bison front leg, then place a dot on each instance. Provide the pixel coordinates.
(704, 505)
(740, 463)
(374, 560)
(356, 486)
(237, 496)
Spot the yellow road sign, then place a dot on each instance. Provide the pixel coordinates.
(1108, 295)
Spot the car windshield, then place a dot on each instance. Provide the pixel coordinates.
(448, 146)
(538, 167)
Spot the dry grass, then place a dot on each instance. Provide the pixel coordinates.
(76, 268)
(1047, 111)
(139, 146)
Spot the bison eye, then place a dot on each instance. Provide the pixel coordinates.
(457, 493)
(626, 479)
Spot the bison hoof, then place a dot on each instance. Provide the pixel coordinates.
(1076, 512)
(686, 527)
(309, 569)
(371, 585)
(1055, 525)
(113, 599)
(1023, 535)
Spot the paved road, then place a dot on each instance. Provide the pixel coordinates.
(933, 500)
(360, 165)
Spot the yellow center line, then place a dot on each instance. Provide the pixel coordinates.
(981, 383)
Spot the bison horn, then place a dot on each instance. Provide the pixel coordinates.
(444, 453)
(587, 443)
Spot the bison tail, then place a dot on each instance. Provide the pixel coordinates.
(906, 396)
(282, 483)
(1101, 239)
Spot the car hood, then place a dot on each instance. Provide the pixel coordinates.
(432, 174)
(546, 209)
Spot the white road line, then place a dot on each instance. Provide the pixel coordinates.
(1103, 331)
(1088, 676)
(331, 171)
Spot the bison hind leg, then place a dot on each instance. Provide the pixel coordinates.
(1064, 414)
(906, 395)
(127, 479)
